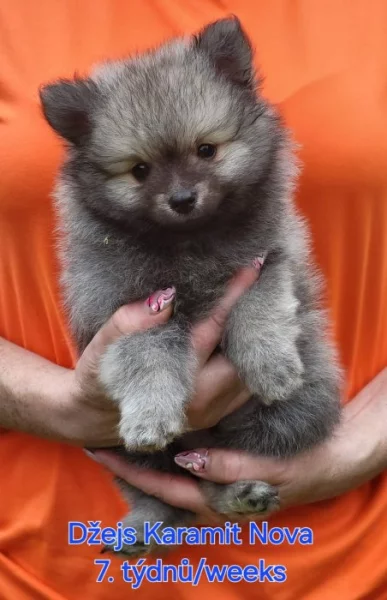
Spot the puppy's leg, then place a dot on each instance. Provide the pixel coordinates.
(149, 509)
(157, 515)
(150, 375)
(261, 334)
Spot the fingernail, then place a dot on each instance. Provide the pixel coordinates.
(160, 300)
(259, 260)
(91, 455)
(192, 460)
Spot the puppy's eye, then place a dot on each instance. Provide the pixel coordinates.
(141, 171)
(206, 151)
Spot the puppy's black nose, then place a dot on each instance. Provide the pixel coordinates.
(183, 202)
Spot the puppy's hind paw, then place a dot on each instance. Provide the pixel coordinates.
(243, 498)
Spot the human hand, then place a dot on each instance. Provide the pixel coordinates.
(92, 419)
(355, 454)
(49, 401)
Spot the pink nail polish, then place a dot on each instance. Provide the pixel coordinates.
(259, 260)
(192, 460)
(160, 300)
(91, 455)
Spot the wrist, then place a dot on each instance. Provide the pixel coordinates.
(356, 453)
(68, 408)
(359, 448)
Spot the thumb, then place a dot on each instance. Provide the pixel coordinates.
(207, 334)
(227, 466)
(131, 318)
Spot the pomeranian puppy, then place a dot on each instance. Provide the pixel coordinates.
(178, 173)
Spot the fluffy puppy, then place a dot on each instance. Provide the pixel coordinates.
(178, 173)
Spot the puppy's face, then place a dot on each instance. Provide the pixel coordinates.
(175, 137)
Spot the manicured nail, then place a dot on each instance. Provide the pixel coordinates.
(91, 455)
(192, 460)
(259, 260)
(160, 300)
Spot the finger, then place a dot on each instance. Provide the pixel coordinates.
(220, 376)
(236, 402)
(207, 334)
(219, 391)
(175, 490)
(132, 318)
(226, 466)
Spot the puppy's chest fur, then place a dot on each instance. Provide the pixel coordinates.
(102, 275)
(199, 278)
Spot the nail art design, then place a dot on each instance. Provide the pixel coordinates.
(191, 460)
(161, 299)
(259, 260)
(91, 454)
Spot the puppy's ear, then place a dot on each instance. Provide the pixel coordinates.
(67, 106)
(229, 50)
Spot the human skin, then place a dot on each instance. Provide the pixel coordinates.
(355, 454)
(75, 410)
(69, 405)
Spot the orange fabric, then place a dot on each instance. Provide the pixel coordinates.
(326, 66)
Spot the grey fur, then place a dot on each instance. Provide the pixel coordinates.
(122, 241)
(241, 497)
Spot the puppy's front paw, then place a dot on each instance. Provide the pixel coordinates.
(276, 379)
(150, 376)
(152, 428)
(270, 367)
